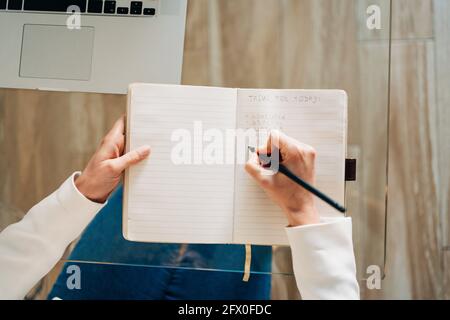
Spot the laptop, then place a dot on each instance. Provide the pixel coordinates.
(90, 45)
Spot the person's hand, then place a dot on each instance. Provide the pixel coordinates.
(296, 202)
(104, 170)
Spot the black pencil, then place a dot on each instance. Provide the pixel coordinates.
(265, 159)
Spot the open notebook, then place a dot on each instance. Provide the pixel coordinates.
(189, 191)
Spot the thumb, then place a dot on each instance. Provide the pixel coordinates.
(130, 158)
(252, 167)
(278, 140)
(257, 172)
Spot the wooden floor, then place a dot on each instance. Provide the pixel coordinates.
(44, 136)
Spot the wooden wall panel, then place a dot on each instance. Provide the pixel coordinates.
(196, 63)
(442, 147)
(250, 49)
(370, 127)
(413, 19)
(413, 221)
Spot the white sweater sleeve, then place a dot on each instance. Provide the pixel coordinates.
(30, 248)
(323, 260)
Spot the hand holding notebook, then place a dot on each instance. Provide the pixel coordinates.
(211, 201)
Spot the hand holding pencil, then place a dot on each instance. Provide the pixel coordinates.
(297, 202)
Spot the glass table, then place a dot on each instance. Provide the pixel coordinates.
(278, 44)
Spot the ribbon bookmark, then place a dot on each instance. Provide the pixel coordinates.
(248, 262)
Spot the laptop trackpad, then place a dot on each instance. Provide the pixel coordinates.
(56, 52)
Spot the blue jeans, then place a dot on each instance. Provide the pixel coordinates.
(159, 271)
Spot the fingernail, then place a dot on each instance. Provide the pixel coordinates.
(144, 151)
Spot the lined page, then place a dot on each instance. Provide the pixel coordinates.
(314, 117)
(179, 203)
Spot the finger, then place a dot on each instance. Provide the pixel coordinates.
(117, 131)
(286, 145)
(131, 158)
(277, 139)
(252, 166)
(257, 172)
(114, 141)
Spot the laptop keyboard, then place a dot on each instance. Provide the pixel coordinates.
(107, 7)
